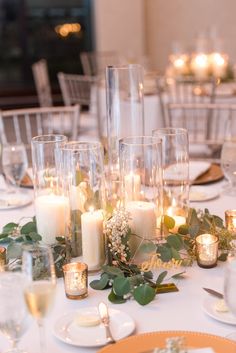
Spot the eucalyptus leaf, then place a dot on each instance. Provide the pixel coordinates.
(175, 254)
(121, 286)
(34, 236)
(101, 283)
(178, 275)
(161, 277)
(9, 227)
(111, 270)
(165, 252)
(183, 229)
(28, 228)
(115, 299)
(144, 294)
(169, 222)
(175, 241)
(223, 257)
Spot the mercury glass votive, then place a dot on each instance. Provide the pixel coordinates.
(76, 280)
(2, 257)
(207, 250)
(230, 220)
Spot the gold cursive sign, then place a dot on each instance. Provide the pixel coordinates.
(155, 262)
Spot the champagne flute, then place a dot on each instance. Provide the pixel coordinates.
(14, 162)
(13, 311)
(228, 161)
(230, 290)
(38, 266)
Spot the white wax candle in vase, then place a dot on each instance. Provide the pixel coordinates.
(93, 243)
(52, 214)
(143, 218)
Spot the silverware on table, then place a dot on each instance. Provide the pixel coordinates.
(214, 293)
(105, 319)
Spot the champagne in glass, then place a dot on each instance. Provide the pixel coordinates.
(14, 163)
(13, 311)
(38, 266)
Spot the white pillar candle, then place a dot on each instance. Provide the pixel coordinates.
(219, 65)
(200, 66)
(93, 246)
(132, 187)
(51, 216)
(143, 218)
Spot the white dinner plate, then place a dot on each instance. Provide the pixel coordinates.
(14, 200)
(209, 308)
(66, 330)
(202, 193)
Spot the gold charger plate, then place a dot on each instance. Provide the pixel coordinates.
(214, 173)
(148, 341)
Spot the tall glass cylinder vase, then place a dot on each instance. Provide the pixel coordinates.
(141, 179)
(51, 205)
(85, 186)
(125, 112)
(175, 159)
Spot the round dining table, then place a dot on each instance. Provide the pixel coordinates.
(186, 309)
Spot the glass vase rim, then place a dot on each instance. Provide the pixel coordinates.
(124, 67)
(91, 145)
(214, 241)
(153, 140)
(49, 138)
(231, 212)
(170, 131)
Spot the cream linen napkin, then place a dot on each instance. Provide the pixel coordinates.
(197, 168)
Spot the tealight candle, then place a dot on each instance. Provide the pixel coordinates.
(207, 250)
(93, 245)
(51, 216)
(230, 220)
(76, 280)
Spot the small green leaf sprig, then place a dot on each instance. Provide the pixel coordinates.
(15, 234)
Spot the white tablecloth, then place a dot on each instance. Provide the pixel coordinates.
(173, 311)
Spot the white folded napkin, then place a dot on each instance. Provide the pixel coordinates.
(197, 168)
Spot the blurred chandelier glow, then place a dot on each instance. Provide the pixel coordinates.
(67, 28)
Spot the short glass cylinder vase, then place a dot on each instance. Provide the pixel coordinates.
(141, 179)
(84, 184)
(175, 163)
(51, 205)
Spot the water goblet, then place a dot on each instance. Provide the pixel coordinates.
(14, 163)
(38, 266)
(13, 311)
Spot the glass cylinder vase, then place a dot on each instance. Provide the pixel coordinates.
(141, 179)
(175, 163)
(51, 205)
(85, 186)
(125, 112)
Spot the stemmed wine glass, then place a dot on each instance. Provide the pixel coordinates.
(38, 266)
(14, 163)
(13, 311)
(228, 160)
(230, 289)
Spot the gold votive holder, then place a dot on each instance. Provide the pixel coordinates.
(207, 250)
(76, 280)
(3, 258)
(230, 220)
